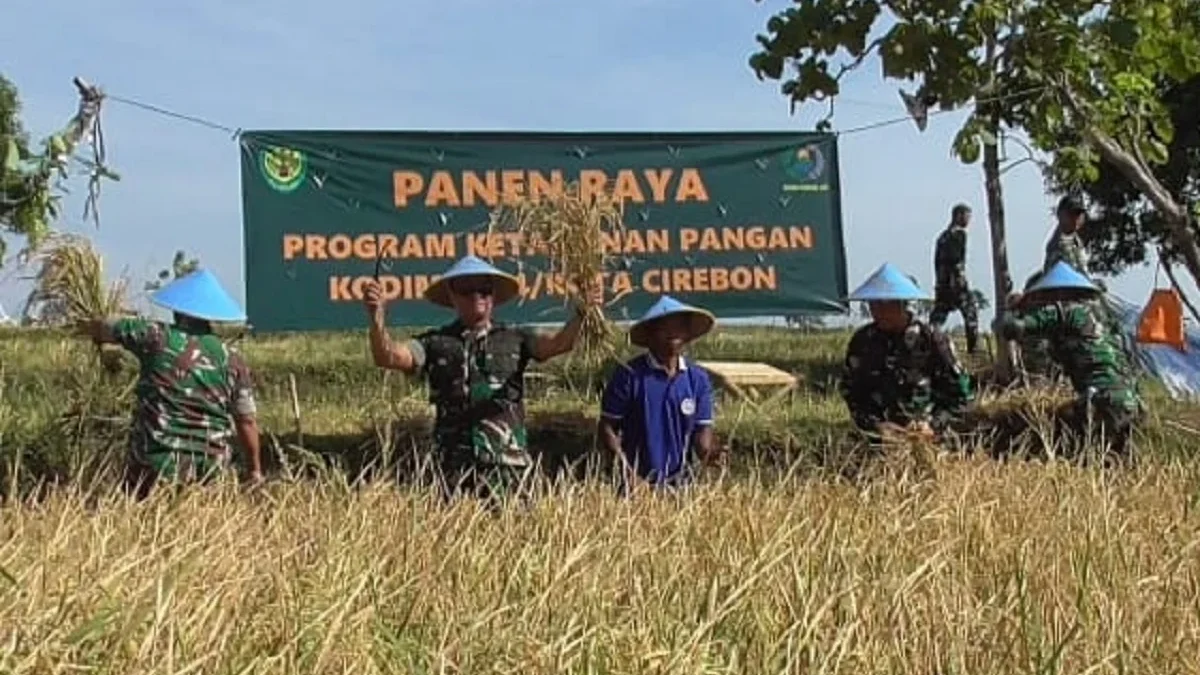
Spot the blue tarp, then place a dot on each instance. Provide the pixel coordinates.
(1179, 372)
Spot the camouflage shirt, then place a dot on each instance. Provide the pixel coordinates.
(477, 387)
(1065, 247)
(1079, 340)
(190, 387)
(950, 259)
(903, 377)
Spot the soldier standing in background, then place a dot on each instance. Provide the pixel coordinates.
(951, 290)
(1065, 245)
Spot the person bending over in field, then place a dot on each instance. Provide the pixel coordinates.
(656, 413)
(476, 373)
(1061, 307)
(194, 391)
(901, 375)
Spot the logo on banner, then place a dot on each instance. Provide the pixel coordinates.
(805, 168)
(283, 168)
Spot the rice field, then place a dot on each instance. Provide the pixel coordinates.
(801, 555)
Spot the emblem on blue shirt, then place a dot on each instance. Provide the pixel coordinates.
(687, 406)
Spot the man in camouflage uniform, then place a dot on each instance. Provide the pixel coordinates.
(1067, 246)
(952, 292)
(901, 374)
(1061, 307)
(476, 373)
(194, 392)
(1036, 364)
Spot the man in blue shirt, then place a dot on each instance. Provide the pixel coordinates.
(657, 412)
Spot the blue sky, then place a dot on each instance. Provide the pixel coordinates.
(653, 65)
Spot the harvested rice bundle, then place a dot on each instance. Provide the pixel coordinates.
(70, 284)
(69, 290)
(569, 229)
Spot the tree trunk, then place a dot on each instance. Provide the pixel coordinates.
(1000, 276)
(1001, 280)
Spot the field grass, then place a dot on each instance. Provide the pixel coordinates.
(803, 555)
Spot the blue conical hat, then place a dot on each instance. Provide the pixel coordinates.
(888, 283)
(506, 285)
(1063, 277)
(700, 321)
(200, 295)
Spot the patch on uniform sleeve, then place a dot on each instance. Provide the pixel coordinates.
(853, 361)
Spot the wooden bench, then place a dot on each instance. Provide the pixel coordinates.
(747, 380)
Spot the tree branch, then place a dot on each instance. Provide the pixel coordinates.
(1178, 289)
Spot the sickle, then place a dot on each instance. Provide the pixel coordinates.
(378, 256)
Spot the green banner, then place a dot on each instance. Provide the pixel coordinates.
(742, 224)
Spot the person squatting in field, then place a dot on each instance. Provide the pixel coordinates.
(1037, 366)
(475, 367)
(951, 291)
(194, 392)
(1062, 308)
(656, 413)
(900, 374)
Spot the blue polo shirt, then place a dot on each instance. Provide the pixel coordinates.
(658, 414)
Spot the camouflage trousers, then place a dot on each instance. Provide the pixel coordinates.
(490, 483)
(947, 300)
(1037, 366)
(146, 469)
(1105, 422)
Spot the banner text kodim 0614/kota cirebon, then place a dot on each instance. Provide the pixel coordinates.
(743, 224)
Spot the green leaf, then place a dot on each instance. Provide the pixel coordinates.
(1155, 151)
(966, 144)
(769, 65)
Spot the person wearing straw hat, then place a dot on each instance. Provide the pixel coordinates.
(1060, 306)
(656, 413)
(194, 391)
(475, 367)
(900, 374)
(1036, 364)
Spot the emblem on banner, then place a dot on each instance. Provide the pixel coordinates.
(283, 168)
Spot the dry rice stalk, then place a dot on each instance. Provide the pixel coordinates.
(70, 283)
(569, 228)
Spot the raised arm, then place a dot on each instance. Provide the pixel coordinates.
(546, 347)
(139, 336)
(384, 352)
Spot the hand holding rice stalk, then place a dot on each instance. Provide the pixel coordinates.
(70, 288)
(569, 227)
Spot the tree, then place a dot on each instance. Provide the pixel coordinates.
(1125, 229)
(1078, 77)
(30, 183)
